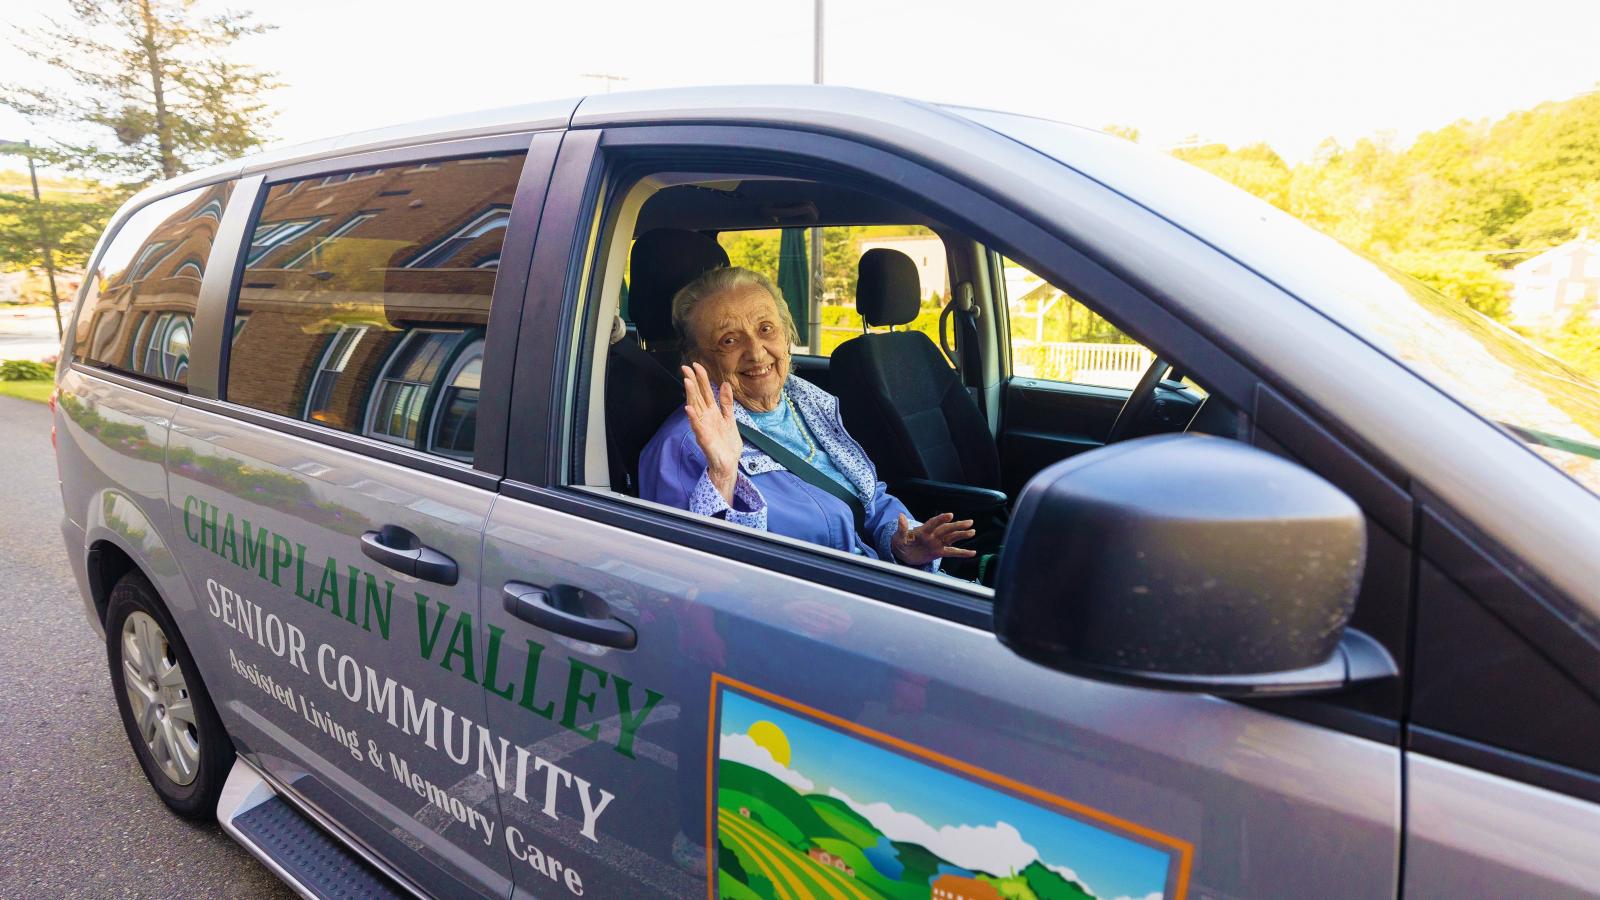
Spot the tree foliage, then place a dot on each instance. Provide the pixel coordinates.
(1457, 207)
(1126, 132)
(1257, 168)
(71, 225)
(156, 86)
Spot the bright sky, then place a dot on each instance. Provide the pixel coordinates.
(1237, 71)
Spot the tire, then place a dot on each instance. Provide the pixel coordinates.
(167, 712)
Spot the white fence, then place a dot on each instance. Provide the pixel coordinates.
(1103, 365)
(1107, 365)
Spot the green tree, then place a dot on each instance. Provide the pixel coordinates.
(1125, 132)
(1576, 343)
(70, 225)
(840, 260)
(1257, 168)
(156, 83)
(1463, 275)
(1350, 193)
(755, 250)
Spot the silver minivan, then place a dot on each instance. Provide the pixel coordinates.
(1288, 582)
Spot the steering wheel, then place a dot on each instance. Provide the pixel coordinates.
(1140, 403)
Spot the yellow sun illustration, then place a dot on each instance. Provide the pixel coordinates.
(771, 739)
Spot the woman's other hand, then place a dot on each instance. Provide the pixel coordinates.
(933, 539)
(715, 429)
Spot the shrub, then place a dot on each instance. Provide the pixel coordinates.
(26, 370)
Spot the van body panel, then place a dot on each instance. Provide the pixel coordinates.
(209, 353)
(1230, 793)
(270, 529)
(1472, 833)
(111, 452)
(72, 535)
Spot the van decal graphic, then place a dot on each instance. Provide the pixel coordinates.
(587, 695)
(801, 803)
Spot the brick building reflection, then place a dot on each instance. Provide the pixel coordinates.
(364, 298)
(361, 305)
(139, 309)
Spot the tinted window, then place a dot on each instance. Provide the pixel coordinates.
(138, 312)
(367, 294)
(1499, 664)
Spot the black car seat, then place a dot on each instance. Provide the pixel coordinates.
(642, 384)
(908, 407)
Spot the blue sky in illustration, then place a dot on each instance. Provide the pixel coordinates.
(1110, 864)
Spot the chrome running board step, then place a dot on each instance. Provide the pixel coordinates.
(306, 858)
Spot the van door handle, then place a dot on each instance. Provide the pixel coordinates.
(570, 611)
(402, 551)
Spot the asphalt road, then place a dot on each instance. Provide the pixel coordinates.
(77, 818)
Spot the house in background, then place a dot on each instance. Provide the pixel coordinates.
(1551, 288)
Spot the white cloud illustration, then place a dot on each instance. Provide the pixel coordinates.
(1153, 895)
(998, 849)
(742, 748)
(1070, 875)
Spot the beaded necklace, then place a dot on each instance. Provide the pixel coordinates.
(804, 431)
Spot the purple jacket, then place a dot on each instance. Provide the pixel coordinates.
(766, 496)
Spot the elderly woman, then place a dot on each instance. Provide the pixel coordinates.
(736, 333)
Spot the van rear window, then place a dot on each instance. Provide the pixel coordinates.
(365, 297)
(138, 312)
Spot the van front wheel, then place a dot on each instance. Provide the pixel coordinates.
(174, 729)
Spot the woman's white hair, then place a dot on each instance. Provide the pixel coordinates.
(718, 281)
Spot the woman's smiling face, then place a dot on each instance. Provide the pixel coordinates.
(740, 338)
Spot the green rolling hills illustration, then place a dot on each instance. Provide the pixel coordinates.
(775, 843)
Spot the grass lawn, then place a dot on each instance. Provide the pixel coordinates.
(37, 391)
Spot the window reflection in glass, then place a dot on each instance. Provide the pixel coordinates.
(333, 365)
(138, 310)
(403, 389)
(456, 426)
(367, 295)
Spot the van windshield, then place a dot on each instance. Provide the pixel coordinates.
(1549, 406)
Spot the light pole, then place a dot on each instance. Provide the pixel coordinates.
(815, 323)
(609, 80)
(44, 224)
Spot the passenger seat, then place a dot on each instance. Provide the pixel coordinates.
(908, 407)
(642, 383)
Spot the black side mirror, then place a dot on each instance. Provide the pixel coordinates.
(1187, 563)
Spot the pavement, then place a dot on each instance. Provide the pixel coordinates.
(29, 332)
(77, 817)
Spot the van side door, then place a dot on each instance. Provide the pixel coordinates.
(700, 707)
(330, 494)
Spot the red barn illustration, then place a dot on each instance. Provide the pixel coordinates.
(958, 887)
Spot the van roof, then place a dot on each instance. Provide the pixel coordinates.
(820, 107)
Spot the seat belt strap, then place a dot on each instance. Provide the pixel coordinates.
(809, 474)
(628, 346)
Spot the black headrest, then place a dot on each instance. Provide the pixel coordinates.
(888, 291)
(663, 261)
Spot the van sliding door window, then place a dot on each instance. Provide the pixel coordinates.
(367, 298)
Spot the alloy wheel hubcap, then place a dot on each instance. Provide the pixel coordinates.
(159, 697)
